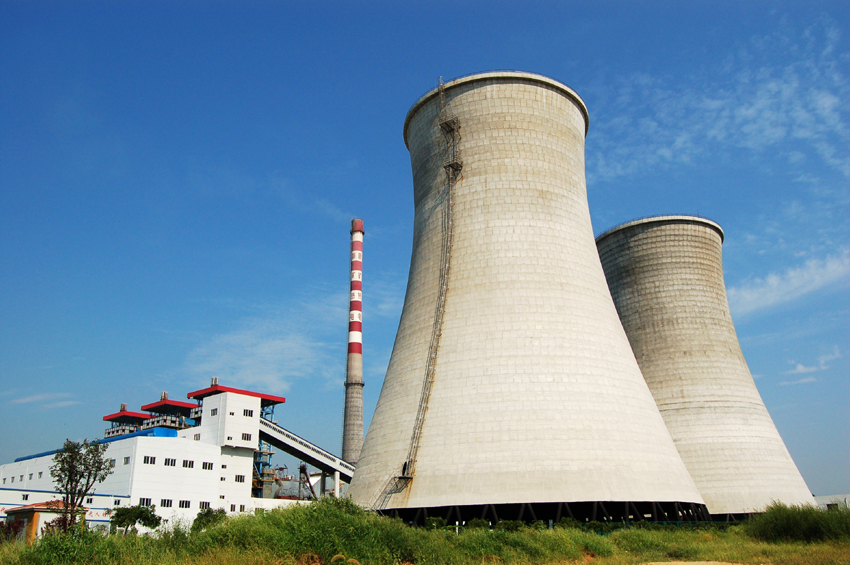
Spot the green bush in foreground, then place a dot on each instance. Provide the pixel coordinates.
(799, 523)
(337, 531)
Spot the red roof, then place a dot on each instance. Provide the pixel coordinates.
(56, 505)
(154, 406)
(126, 415)
(268, 399)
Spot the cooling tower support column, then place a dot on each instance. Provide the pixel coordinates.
(511, 391)
(352, 432)
(666, 278)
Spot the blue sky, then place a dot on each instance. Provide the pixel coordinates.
(177, 181)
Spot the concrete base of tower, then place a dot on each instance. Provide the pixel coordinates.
(601, 511)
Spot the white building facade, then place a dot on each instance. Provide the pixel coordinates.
(209, 464)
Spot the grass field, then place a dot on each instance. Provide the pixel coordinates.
(338, 532)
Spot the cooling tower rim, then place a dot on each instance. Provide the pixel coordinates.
(659, 219)
(510, 75)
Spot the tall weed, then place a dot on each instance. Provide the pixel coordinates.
(799, 523)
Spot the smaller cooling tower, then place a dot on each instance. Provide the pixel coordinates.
(666, 278)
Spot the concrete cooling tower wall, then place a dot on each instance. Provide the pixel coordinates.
(512, 391)
(666, 278)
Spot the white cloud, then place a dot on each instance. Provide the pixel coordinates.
(799, 382)
(45, 397)
(752, 102)
(824, 359)
(800, 368)
(273, 351)
(63, 404)
(306, 339)
(815, 274)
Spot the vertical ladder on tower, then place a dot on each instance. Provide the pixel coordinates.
(452, 165)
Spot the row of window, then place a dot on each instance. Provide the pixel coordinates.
(21, 478)
(187, 463)
(247, 413)
(168, 503)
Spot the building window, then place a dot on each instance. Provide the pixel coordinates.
(126, 460)
(25, 496)
(89, 500)
(144, 502)
(111, 464)
(149, 460)
(240, 478)
(185, 504)
(13, 479)
(224, 466)
(165, 503)
(188, 464)
(207, 466)
(242, 508)
(116, 502)
(233, 508)
(203, 505)
(30, 477)
(223, 479)
(246, 437)
(22, 478)
(221, 496)
(40, 472)
(170, 462)
(232, 414)
(214, 412)
(197, 437)
(4, 480)
(248, 413)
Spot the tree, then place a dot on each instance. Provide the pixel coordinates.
(207, 518)
(76, 468)
(128, 516)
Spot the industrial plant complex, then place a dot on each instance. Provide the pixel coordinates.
(538, 373)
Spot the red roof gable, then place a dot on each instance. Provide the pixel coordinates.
(268, 399)
(126, 415)
(153, 406)
(55, 505)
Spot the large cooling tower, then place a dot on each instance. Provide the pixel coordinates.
(666, 277)
(512, 392)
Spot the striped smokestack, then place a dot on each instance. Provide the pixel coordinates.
(352, 428)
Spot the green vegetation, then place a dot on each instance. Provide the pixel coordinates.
(128, 516)
(794, 523)
(76, 469)
(338, 532)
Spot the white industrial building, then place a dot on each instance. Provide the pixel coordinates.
(182, 457)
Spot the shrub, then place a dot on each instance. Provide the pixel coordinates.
(9, 531)
(568, 523)
(510, 525)
(478, 523)
(799, 523)
(208, 517)
(435, 523)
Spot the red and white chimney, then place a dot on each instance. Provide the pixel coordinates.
(352, 430)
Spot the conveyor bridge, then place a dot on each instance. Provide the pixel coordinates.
(304, 450)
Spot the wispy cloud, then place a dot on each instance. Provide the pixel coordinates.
(304, 339)
(63, 404)
(800, 368)
(43, 398)
(824, 359)
(752, 102)
(780, 288)
(802, 381)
